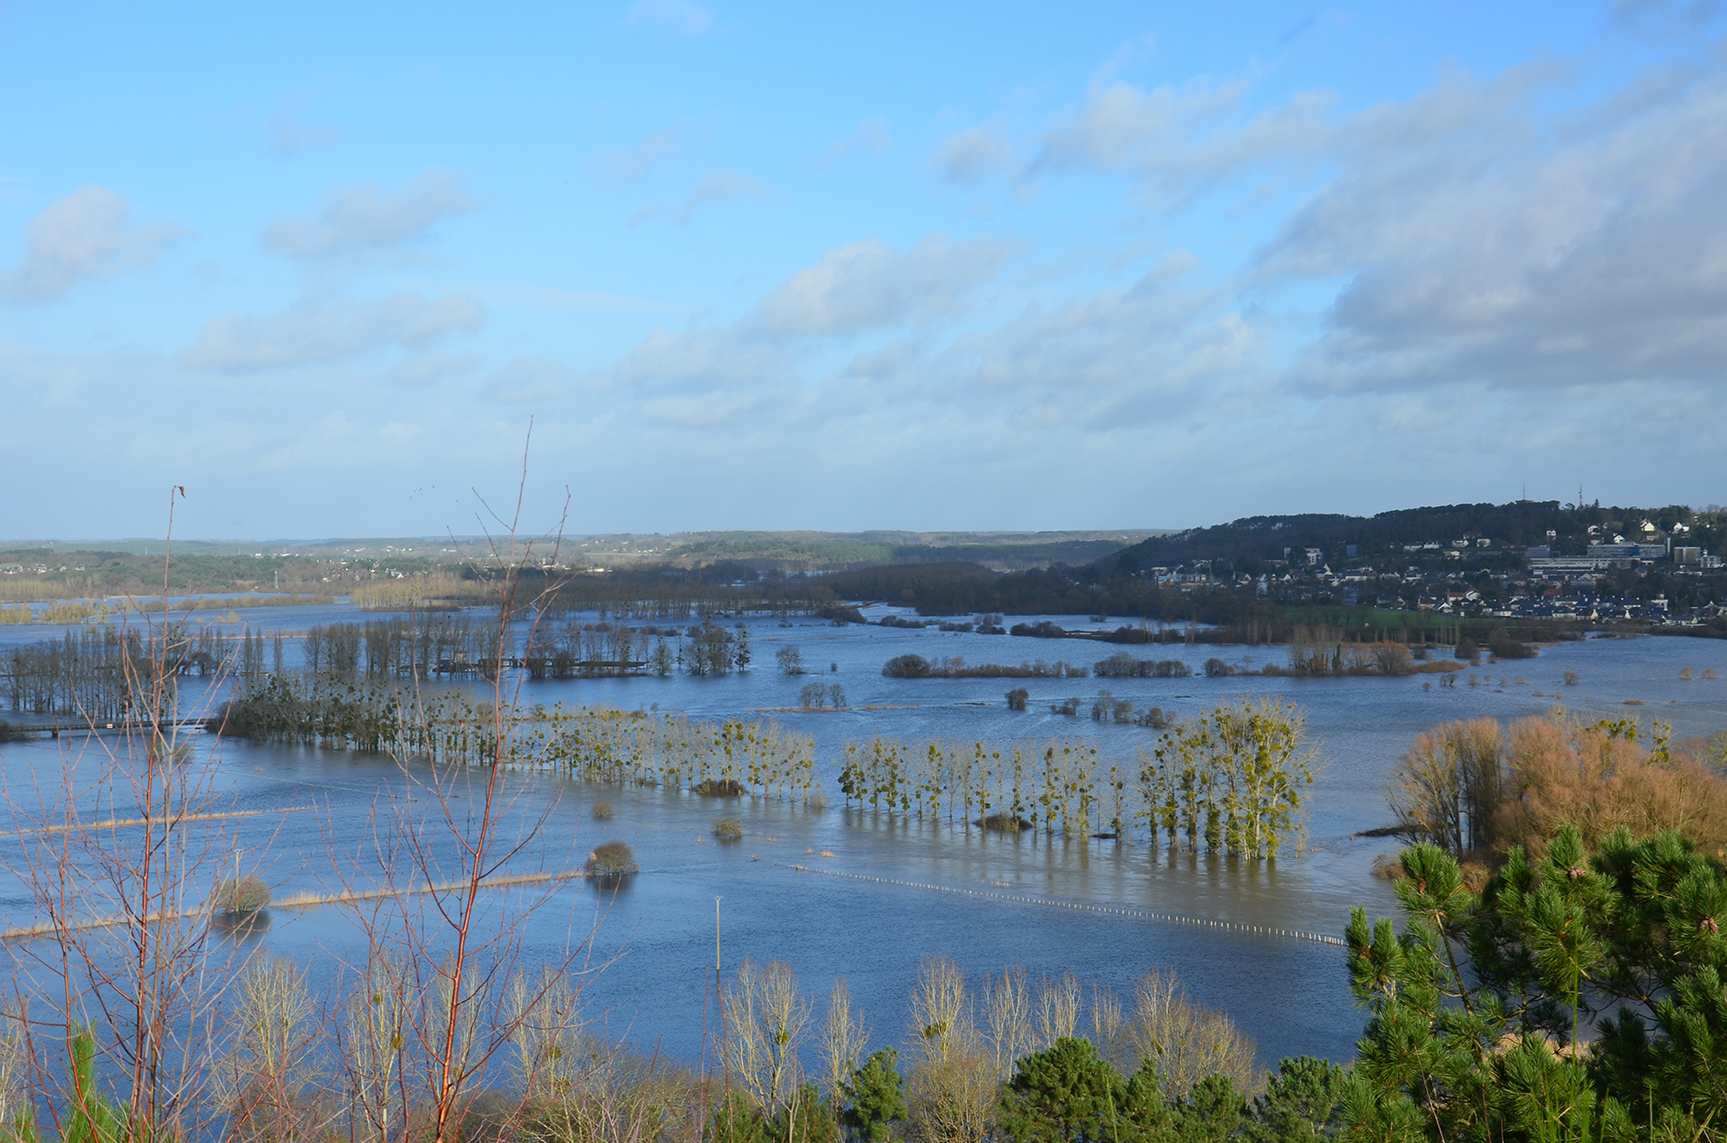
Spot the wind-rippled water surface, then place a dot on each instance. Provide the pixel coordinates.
(913, 889)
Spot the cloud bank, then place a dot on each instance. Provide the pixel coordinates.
(357, 220)
(86, 236)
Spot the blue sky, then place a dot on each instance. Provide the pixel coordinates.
(907, 266)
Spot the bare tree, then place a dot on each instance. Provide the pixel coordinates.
(1109, 1027)
(261, 1082)
(1447, 786)
(370, 1046)
(940, 1014)
(1057, 1009)
(1185, 1042)
(952, 1084)
(545, 1018)
(765, 1019)
(953, 1099)
(1007, 1015)
(844, 1038)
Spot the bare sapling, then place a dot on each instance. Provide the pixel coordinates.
(455, 995)
(121, 973)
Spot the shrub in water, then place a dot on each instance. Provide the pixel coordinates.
(720, 788)
(604, 811)
(1507, 648)
(1017, 698)
(907, 667)
(728, 829)
(610, 861)
(1570, 678)
(1005, 822)
(245, 894)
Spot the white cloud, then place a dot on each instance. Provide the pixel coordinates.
(357, 219)
(621, 168)
(871, 135)
(290, 138)
(1482, 240)
(86, 235)
(718, 187)
(1179, 141)
(972, 154)
(320, 332)
(870, 285)
(678, 16)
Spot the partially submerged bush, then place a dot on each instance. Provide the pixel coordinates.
(907, 667)
(1121, 665)
(611, 860)
(604, 811)
(1481, 786)
(1004, 822)
(1504, 647)
(728, 829)
(10, 733)
(720, 788)
(1017, 698)
(244, 894)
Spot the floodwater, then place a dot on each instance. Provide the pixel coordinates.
(833, 892)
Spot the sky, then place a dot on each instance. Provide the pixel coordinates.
(350, 270)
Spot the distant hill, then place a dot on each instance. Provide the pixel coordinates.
(804, 551)
(1249, 543)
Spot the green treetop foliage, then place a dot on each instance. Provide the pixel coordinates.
(1068, 1093)
(875, 1098)
(1476, 1007)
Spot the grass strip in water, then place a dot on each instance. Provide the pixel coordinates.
(298, 901)
(120, 823)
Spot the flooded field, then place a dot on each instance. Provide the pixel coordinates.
(850, 892)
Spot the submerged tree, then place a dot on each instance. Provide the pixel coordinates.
(1231, 781)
